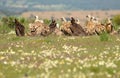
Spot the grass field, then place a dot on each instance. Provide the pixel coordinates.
(59, 57)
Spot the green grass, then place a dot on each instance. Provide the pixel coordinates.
(59, 57)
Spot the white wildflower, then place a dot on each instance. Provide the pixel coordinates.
(1, 58)
(110, 64)
(5, 62)
(31, 66)
(17, 45)
(13, 63)
(74, 48)
(118, 39)
(74, 69)
(81, 67)
(68, 59)
(101, 62)
(69, 70)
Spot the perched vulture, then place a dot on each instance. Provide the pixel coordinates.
(76, 29)
(19, 28)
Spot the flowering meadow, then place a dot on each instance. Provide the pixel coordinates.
(59, 57)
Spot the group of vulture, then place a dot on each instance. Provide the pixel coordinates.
(69, 28)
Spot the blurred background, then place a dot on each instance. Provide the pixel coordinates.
(26, 10)
(12, 7)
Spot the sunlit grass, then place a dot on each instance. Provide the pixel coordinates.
(59, 57)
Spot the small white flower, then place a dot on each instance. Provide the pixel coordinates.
(13, 63)
(74, 69)
(101, 62)
(69, 70)
(5, 62)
